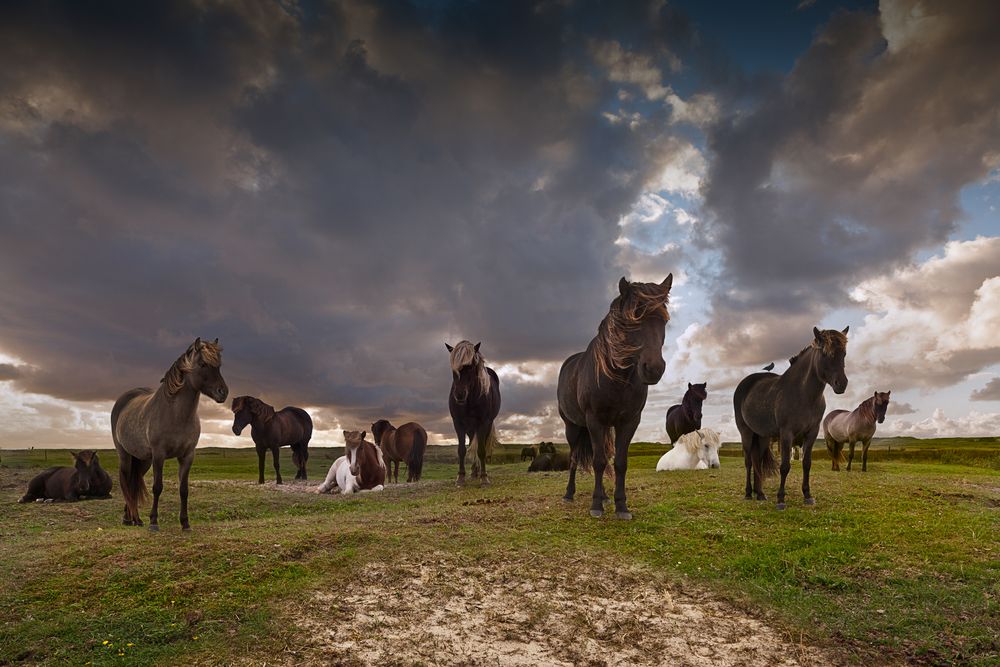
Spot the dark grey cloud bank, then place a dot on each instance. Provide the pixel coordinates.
(847, 166)
(333, 190)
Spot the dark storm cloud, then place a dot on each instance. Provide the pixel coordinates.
(849, 165)
(333, 190)
(991, 392)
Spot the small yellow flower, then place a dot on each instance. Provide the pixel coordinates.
(130, 644)
(105, 642)
(195, 638)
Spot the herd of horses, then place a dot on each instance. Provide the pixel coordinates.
(601, 394)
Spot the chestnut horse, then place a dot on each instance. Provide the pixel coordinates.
(406, 443)
(849, 428)
(686, 417)
(788, 407)
(149, 427)
(603, 390)
(272, 430)
(365, 460)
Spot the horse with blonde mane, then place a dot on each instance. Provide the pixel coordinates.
(603, 390)
(841, 427)
(474, 403)
(149, 427)
(697, 450)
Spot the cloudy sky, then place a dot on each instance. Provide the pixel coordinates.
(335, 189)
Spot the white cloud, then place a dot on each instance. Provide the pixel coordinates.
(940, 425)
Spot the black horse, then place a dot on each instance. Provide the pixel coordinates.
(474, 403)
(272, 430)
(788, 407)
(602, 390)
(686, 417)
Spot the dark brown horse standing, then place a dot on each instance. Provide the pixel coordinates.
(788, 407)
(686, 417)
(149, 427)
(406, 443)
(603, 390)
(272, 430)
(841, 427)
(474, 403)
(86, 479)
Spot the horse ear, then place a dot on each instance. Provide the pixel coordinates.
(450, 348)
(477, 345)
(689, 385)
(196, 343)
(363, 434)
(668, 282)
(846, 329)
(216, 342)
(818, 335)
(623, 286)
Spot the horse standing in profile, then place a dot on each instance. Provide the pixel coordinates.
(406, 443)
(474, 403)
(528, 453)
(788, 407)
(272, 430)
(149, 427)
(603, 390)
(841, 427)
(686, 416)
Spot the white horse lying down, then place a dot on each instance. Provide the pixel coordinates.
(340, 477)
(697, 450)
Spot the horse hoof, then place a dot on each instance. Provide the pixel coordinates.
(186, 529)
(484, 481)
(780, 506)
(153, 528)
(809, 501)
(460, 481)
(747, 497)
(138, 522)
(567, 499)
(624, 516)
(597, 514)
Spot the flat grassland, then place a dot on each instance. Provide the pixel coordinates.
(897, 565)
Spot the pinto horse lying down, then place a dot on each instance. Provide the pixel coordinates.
(361, 468)
(697, 450)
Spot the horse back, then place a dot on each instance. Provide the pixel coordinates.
(566, 391)
(125, 417)
(754, 404)
(296, 425)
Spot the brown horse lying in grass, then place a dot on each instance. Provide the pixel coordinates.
(406, 443)
(86, 479)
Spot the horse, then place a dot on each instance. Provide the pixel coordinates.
(150, 426)
(547, 448)
(528, 453)
(86, 479)
(339, 476)
(365, 461)
(697, 450)
(550, 462)
(788, 407)
(406, 443)
(686, 416)
(841, 427)
(474, 403)
(271, 430)
(603, 390)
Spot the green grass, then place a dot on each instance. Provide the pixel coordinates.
(898, 564)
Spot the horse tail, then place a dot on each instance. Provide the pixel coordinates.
(836, 450)
(132, 482)
(762, 457)
(415, 461)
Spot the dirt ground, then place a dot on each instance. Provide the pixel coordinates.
(440, 612)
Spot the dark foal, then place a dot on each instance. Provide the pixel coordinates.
(86, 479)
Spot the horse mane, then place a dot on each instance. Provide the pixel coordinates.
(612, 352)
(466, 354)
(867, 409)
(258, 408)
(833, 341)
(209, 352)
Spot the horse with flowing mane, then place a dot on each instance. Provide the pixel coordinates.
(272, 430)
(686, 417)
(474, 403)
(841, 427)
(150, 426)
(788, 407)
(603, 390)
(697, 450)
(406, 443)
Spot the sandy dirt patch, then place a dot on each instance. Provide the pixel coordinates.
(438, 612)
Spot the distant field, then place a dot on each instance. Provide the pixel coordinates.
(898, 565)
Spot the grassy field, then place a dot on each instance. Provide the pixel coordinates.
(898, 565)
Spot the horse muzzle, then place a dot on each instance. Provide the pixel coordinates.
(220, 394)
(651, 373)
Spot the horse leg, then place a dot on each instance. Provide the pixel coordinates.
(786, 465)
(157, 490)
(746, 436)
(277, 467)
(807, 453)
(575, 437)
(395, 472)
(261, 455)
(599, 436)
(461, 458)
(482, 442)
(864, 454)
(850, 456)
(623, 437)
(831, 447)
(184, 469)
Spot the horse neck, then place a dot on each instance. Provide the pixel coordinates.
(185, 401)
(803, 375)
(865, 412)
(627, 376)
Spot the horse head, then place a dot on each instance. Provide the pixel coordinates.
(881, 404)
(832, 346)
(468, 370)
(247, 410)
(693, 398)
(380, 428)
(353, 440)
(200, 369)
(710, 442)
(632, 333)
(86, 466)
